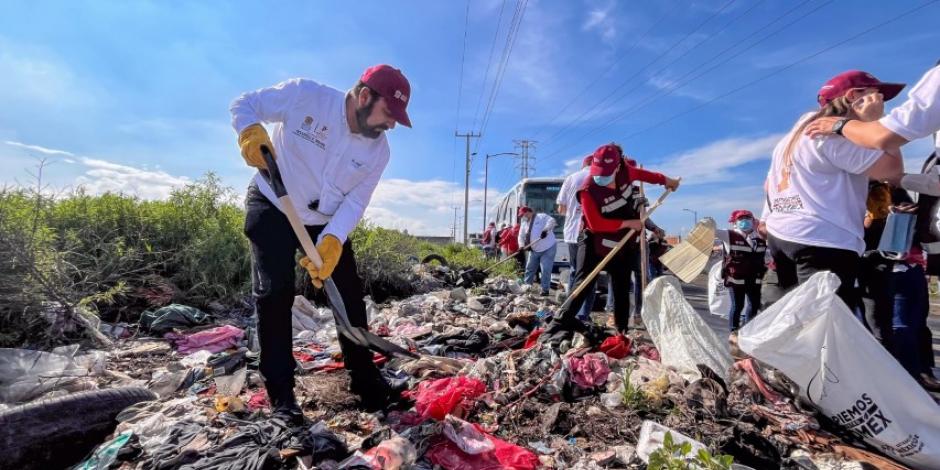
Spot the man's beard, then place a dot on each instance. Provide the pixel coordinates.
(362, 114)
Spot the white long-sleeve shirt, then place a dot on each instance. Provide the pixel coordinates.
(540, 223)
(329, 172)
(568, 196)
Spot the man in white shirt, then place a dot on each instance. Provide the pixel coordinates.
(569, 207)
(537, 230)
(331, 151)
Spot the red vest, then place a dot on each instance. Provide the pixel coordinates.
(743, 262)
(618, 203)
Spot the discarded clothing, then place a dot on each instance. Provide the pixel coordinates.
(174, 316)
(214, 340)
(447, 454)
(589, 370)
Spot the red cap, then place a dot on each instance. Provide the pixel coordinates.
(605, 160)
(523, 210)
(740, 214)
(390, 84)
(587, 161)
(841, 84)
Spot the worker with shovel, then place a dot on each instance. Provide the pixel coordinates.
(610, 211)
(330, 152)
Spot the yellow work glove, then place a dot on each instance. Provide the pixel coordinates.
(330, 250)
(250, 141)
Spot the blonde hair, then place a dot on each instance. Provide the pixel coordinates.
(837, 107)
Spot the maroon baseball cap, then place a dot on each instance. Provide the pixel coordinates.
(523, 210)
(392, 85)
(740, 214)
(841, 84)
(605, 160)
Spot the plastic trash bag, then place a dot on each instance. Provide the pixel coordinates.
(651, 439)
(681, 336)
(470, 439)
(106, 453)
(437, 398)
(166, 319)
(719, 297)
(26, 374)
(616, 347)
(811, 336)
(504, 456)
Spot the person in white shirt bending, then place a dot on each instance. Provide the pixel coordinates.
(331, 151)
(537, 230)
(816, 188)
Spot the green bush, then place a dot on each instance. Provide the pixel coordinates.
(117, 255)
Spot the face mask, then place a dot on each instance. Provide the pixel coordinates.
(603, 180)
(745, 224)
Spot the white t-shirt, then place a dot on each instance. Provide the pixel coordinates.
(541, 222)
(568, 196)
(822, 203)
(919, 116)
(320, 159)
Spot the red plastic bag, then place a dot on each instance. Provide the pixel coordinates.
(617, 347)
(437, 398)
(504, 455)
(533, 338)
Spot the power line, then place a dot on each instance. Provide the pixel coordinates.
(466, 29)
(698, 68)
(594, 108)
(612, 66)
(489, 62)
(510, 43)
(786, 67)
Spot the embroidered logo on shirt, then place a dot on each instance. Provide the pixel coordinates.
(317, 136)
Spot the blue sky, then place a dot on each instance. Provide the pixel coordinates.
(133, 96)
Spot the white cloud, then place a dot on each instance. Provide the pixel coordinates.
(426, 207)
(675, 88)
(716, 161)
(38, 148)
(602, 21)
(100, 176)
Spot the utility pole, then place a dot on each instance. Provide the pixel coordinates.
(453, 228)
(466, 181)
(525, 166)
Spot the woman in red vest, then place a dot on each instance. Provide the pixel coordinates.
(743, 266)
(610, 209)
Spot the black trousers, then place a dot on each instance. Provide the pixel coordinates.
(273, 261)
(618, 269)
(796, 263)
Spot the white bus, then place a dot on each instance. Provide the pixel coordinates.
(539, 194)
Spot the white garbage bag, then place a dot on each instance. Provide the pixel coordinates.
(682, 337)
(719, 297)
(811, 336)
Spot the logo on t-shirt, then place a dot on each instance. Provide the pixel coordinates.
(313, 132)
(787, 204)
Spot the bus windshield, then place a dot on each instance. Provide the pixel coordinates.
(541, 198)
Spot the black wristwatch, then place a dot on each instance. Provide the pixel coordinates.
(837, 127)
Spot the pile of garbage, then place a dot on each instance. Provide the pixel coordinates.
(485, 393)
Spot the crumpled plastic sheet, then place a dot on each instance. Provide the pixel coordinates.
(447, 454)
(616, 347)
(467, 437)
(305, 317)
(588, 371)
(26, 374)
(214, 340)
(174, 316)
(437, 398)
